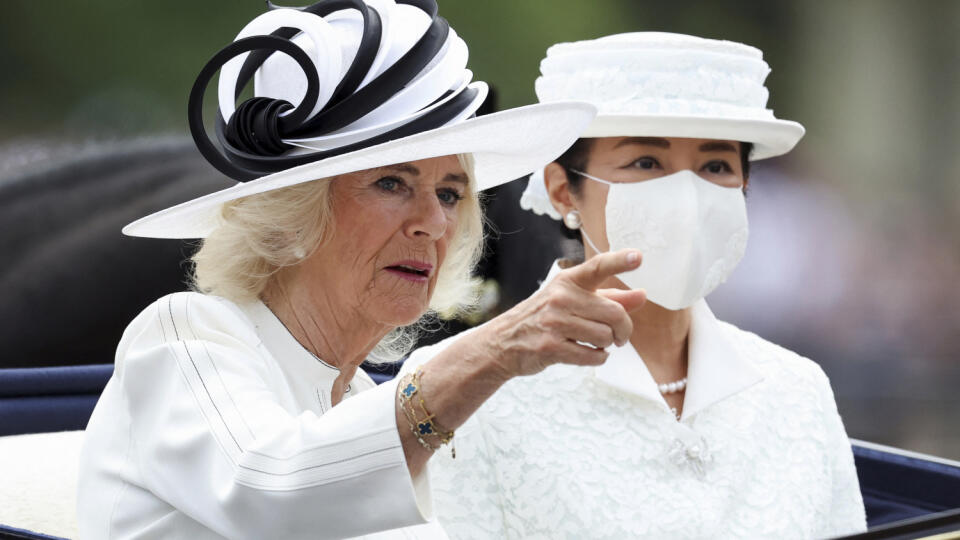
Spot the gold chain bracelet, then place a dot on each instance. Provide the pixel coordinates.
(423, 426)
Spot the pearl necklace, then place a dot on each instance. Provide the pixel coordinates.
(672, 387)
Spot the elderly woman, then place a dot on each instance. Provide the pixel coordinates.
(693, 428)
(238, 410)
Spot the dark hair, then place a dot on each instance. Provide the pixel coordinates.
(575, 159)
(578, 155)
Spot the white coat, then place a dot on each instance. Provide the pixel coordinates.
(217, 423)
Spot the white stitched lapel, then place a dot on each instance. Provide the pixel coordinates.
(715, 372)
(716, 369)
(625, 370)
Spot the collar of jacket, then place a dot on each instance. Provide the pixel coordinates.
(297, 360)
(715, 370)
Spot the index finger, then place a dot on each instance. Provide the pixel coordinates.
(590, 274)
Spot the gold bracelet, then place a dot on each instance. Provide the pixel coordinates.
(425, 426)
(420, 428)
(410, 414)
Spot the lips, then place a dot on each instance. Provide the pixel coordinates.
(412, 269)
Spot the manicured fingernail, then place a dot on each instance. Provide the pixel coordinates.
(633, 257)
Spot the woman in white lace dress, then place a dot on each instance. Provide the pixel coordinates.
(694, 428)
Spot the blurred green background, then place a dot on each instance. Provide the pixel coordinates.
(855, 252)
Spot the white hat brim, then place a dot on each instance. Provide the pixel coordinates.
(505, 146)
(770, 137)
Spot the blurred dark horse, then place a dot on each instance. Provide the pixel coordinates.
(71, 282)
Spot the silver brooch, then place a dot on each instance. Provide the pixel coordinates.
(694, 454)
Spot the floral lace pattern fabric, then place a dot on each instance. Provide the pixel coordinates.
(733, 251)
(696, 93)
(659, 74)
(564, 455)
(646, 232)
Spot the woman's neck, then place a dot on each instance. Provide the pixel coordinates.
(660, 338)
(336, 335)
(659, 334)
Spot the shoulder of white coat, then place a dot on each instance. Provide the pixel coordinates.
(185, 316)
(775, 362)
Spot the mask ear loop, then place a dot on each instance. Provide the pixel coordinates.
(594, 178)
(586, 237)
(583, 231)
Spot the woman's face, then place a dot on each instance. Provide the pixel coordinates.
(391, 230)
(636, 159)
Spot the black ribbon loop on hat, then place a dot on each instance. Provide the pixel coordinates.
(195, 103)
(377, 91)
(432, 120)
(251, 143)
(366, 52)
(254, 126)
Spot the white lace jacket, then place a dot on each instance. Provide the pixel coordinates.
(573, 452)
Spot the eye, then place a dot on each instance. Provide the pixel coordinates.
(389, 183)
(645, 163)
(449, 196)
(718, 166)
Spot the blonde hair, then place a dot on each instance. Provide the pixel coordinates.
(261, 234)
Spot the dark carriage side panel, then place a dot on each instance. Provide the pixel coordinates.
(900, 485)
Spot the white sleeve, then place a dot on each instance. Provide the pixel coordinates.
(846, 514)
(466, 489)
(212, 439)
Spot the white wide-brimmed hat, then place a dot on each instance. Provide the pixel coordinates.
(657, 84)
(357, 84)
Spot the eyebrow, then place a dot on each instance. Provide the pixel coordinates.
(458, 178)
(717, 146)
(647, 141)
(712, 146)
(412, 170)
(405, 168)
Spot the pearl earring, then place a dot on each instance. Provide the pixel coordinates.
(572, 220)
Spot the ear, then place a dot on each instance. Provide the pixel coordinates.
(558, 188)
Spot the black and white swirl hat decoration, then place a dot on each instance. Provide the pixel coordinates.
(357, 78)
(346, 85)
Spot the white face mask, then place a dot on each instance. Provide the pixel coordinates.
(691, 232)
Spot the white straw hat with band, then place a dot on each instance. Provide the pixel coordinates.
(657, 84)
(347, 85)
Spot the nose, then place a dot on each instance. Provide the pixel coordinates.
(427, 218)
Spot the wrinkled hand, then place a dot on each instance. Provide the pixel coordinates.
(545, 329)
